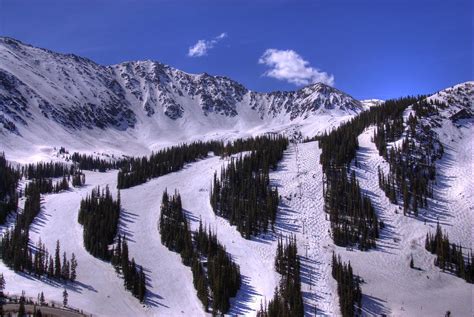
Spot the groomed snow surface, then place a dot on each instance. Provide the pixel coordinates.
(99, 290)
(390, 286)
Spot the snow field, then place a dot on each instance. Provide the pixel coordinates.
(390, 286)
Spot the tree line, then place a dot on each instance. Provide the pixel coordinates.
(94, 163)
(222, 275)
(412, 164)
(287, 299)
(449, 256)
(243, 194)
(216, 277)
(9, 177)
(348, 287)
(99, 214)
(47, 170)
(138, 170)
(353, 218)
(39, 173)
(133, 275)
(18, 255)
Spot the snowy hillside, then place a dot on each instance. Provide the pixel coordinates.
(48, 100)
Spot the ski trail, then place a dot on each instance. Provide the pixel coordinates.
(454, 189)
(170, 281)
(299, 179)
(98, 288)
(390, 286)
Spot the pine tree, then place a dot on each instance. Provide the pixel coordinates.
(73, 267)
(2, 284)
(42, 300)
(57, 261)
(21, 309)
(65, 298)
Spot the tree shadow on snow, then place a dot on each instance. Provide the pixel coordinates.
(373, 306)
(152, 299)
(239, 304)
(40, 220)
(284, 223)
(310, 277)
(126, 218)
(190, 216)
(75, 286)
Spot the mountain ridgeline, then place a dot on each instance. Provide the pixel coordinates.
(142, 101)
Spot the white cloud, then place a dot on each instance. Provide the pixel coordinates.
(290, 66)
(203, 46)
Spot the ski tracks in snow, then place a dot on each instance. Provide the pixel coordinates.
(301, 214)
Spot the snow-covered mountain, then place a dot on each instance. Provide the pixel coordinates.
(368, 103)
(49, 98)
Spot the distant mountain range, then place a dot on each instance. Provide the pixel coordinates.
(50, 99)
(43, 92)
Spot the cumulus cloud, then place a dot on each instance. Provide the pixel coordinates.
(290, 66)
(203, 46)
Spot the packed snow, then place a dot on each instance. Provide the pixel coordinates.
(389, 285)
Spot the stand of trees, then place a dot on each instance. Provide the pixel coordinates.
(449, 256)
(287, 299)
(174, 229)
(339, 146)
(9, 177)
(412, 165)
(223, 275)
(243, 193)
(348, 287)
(47, 170)
(136, 171)
(99, 214)
(133, 275)
(78, 179)
(216, 277)
(46, 186)
(17, 254)
(352, 216)
(93, 163)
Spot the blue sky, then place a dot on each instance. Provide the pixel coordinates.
(369, 49)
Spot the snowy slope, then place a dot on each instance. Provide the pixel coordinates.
(171, 293)
(391, 287)
(426, 291)
(50, 99)
(369, 103)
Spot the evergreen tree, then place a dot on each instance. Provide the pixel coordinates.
(287, 299)
(221, 281)
(99, 214)
(348, 287)
(73, 267)
(9, 177)
(449, 256)
(65, 297)
(21, 309)
(42, 300)
(2, 284)
(243, 193)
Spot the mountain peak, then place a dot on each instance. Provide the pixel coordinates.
(44, 90)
